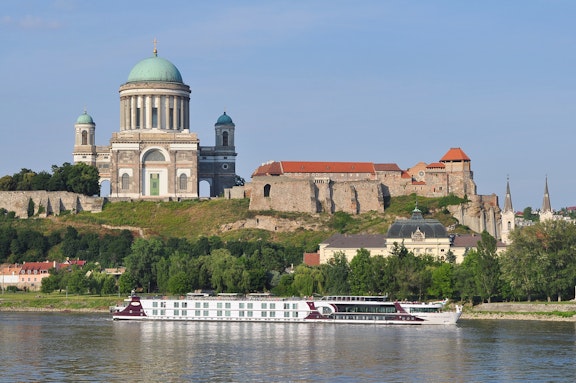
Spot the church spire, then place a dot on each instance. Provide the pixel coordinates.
(508, 199)
(155, 51)
(546, 206)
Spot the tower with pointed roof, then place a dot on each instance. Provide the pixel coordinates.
(546, 212)
(154, 154)
(508, 216)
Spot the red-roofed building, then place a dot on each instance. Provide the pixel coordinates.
(359, 187)
(32, 273)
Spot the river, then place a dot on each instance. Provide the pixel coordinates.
(70, 347)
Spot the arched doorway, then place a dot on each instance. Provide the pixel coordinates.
(204, 188)
(105, 188)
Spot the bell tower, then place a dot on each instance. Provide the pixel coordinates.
(84, 140)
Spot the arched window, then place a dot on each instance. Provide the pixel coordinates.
(125, 181)
(183, 182)
(267, 190)
(225, 139)
(84, 137)
(154, 155)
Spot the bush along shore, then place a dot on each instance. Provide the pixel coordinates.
(57, 302)
(565, 311)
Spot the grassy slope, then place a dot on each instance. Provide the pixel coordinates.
(192, 219)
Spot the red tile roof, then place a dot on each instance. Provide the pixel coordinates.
(387, 168)
(277, 168)
(38, 266)
(455, 154)
(272, 168)
(327, 167)
(435, 165)
(312, 259)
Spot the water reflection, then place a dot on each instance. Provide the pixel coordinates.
(71, 348)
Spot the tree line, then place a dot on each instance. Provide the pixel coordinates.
(539, 264)
(78, 178)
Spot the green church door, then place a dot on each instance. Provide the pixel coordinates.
(154, 184)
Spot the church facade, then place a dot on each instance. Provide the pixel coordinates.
(155, 154)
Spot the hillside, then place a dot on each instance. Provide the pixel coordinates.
(231, 219)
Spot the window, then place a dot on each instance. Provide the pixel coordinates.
(171, 119)
(183, 184)
(176, 305)
(84, 138)
(154, 117)
(225, 139)
(138, 118)
(125, 181)
(267, 190)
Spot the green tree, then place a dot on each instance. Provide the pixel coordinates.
(7, 183)
(336, 273)
(522, 262)
(487, 273)
(361, 277)
(83, 179)
(442, 281)
(142, 262)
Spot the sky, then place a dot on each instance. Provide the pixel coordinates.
(380, 81)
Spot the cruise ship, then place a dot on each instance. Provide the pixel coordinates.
(265, 308)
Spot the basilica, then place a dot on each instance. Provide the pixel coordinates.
(155, 154)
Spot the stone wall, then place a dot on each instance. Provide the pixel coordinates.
(48, 203)
(318, 196)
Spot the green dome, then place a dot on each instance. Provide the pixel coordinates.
(85, 119)
(224, 120)
(155, 69)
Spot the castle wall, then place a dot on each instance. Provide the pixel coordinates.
(48, 203)
(285, 194)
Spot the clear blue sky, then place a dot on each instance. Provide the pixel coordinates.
(326, 80)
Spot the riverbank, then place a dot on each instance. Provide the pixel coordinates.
(56, 302)
(558, 311)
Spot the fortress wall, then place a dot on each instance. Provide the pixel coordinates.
(52, 203)
(285, 195)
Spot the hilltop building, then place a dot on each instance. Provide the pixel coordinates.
(356, 187)
(155, 154)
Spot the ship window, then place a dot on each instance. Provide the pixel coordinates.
(197, 313)
(286, 314)
(154, 312)
(241, 305)
(184, 304)
(154, 304)
(227, 305)
(176, 312)
(263, 314)
(250, 305)
(264, 306)
(250, 313)
(176, 304)
(219, 313)
(205, 313)
(219, 305)
(184, 312)
(162, 304)
(272, 314)
(205, 305)
(197, 305)
(227, 313)
(241, 313)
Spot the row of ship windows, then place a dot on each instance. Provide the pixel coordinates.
(227, 313)
(227, 305)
